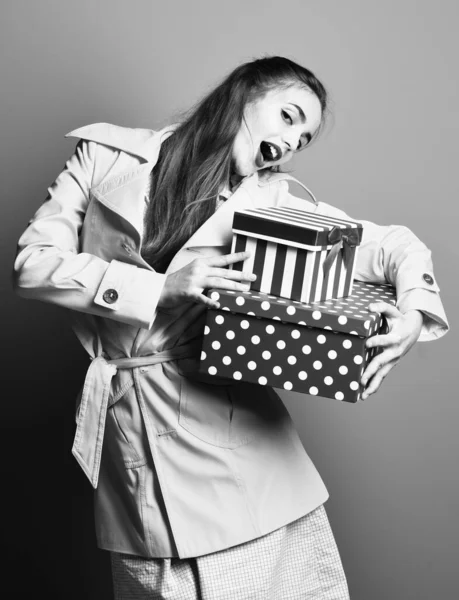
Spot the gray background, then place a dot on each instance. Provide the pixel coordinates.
(388, 155)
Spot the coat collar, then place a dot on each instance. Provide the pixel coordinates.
(144, 143)
(124, 193)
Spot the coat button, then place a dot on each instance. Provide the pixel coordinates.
(110, 296)
(428, 278)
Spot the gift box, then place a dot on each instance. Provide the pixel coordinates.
(311, 348)
(297, 254)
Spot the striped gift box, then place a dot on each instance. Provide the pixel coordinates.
(289, 250)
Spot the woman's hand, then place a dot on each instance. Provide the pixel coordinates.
(404, 330)
(188, 283)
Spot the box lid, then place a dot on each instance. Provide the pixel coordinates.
(349, 314)
(299, 228)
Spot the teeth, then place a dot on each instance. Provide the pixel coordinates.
(270, 151)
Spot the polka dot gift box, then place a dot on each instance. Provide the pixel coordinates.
(297, 254)
(316, 349)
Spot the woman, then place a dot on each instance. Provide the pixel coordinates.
(203, 490)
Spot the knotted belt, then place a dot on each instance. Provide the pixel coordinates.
(89, 436)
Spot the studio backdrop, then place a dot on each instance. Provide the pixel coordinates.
(388, 154)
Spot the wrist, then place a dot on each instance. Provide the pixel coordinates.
(415, 319)
(414, 313)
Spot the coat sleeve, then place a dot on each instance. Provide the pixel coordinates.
(394, 254)
(50, 267)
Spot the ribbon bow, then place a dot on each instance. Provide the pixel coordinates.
(346, 241)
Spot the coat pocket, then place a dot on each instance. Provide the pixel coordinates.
(125, 434)
(227, 416)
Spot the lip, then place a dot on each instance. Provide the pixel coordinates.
(259, 160)
(270, 152)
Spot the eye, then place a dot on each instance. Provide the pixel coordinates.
(286, 117)
(303, 143)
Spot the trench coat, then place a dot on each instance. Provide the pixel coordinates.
(180, 467)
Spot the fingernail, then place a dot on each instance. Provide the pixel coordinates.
(253, 277)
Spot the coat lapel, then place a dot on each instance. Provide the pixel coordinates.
(217, 230)
(215, 235)
(124, 193)
(125, 196)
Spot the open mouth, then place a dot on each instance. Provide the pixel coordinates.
(270, 152)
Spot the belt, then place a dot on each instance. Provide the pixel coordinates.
(89, 436)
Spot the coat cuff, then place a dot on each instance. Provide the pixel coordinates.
(131, 292)
(435, 323)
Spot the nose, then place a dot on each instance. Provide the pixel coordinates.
(291, 139)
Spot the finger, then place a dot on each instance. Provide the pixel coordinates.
(226, 259)
(201, 299)
(377, 380)
(383, 341)
(376, 364)
(226, 284)
(385, 309)
(231, 274)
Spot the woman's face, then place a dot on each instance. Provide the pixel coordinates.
(274, 128)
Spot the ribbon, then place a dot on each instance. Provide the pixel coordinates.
(346, 241)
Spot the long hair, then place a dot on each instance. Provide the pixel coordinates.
(195, 161)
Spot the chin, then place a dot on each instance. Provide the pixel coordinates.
(245, 172)
(243, 168)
